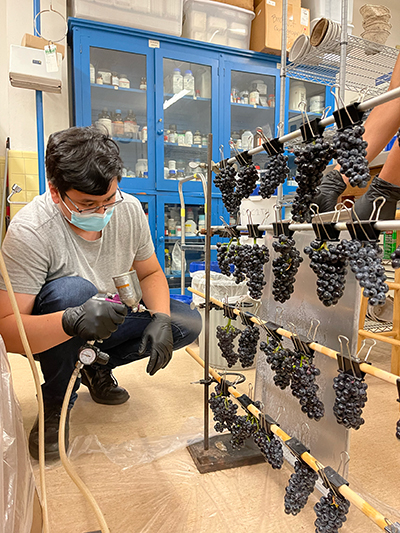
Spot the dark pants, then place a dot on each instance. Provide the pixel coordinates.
(58, 363)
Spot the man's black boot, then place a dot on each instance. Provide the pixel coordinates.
(329, 190)
(52, 416)
(365, 205)
(103, 386)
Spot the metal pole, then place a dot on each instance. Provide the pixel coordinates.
(368, 104)
(343, 49)
(207, 294)
(4, 196)
(283, 82)
(39, 113)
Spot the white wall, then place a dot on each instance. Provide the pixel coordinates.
(393, 5)
(17, 106)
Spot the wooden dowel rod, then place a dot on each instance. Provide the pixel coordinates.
(344, 490)
(393, 286)
(364, 367)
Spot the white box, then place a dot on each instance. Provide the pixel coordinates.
(330, 9)
(153, 15)
(28, 70)
(225, 24)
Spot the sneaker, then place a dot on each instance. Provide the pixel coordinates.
(103, 386)
(52, 415)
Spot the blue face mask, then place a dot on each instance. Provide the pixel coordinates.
(89, 221)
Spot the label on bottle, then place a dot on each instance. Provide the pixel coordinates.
(118, 128)
(130, 127)
(124, 83)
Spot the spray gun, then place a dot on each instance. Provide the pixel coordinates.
(130, 294)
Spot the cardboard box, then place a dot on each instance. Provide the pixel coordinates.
(244, 4)
(33, 41)
(266, 28)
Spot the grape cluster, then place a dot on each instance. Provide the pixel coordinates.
(248, 341)
(270, 447)
(226, 335)
(351, 151)
(398, 429)
(224, 410)
(351, 396)
(242, 428)
(311, 161)
(366, 264)
(246, 181)
(284, 268)
(275, 174)
(328, 261)
(395, 257)
(304, 388)
(281, 361)
(301, 485)
(248, 260)
(226, 183)
(331, 512)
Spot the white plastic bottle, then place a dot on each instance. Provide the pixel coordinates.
(105, 121)
(177, 81)
(188, 83)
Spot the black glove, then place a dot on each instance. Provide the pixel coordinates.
(94, 320)
(329, 190)
(159, 333)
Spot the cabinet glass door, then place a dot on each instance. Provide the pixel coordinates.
(118, 88)
(252, 106)
(304, 96)
(186, 114)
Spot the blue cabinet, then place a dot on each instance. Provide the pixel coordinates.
(160, 96)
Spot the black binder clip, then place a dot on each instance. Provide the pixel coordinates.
(349, 364)
(296, 447)
(398, 388)
(311, 129)
(271, 329)
(273, 146)
(266, 422)
(324, 231)
(223, 164)
(227, 232)
(211, 306)
(332, 480)
(280, 227)
(364, 230)
(244, 158)
(347, 116)
(229, 311)
(254, 232)
(245, 318)
(301, 343)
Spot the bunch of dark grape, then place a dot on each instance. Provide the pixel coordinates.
(252, 261)
(301, 485)
(331, 511)
(270, 446)
(248, 341)
(275, 174)
(242, 428)
(226, 335)
(226, 183)
(223, 259)
(284, 268)
(311, 161)
(398, 429)
(351, 151)
(366, 263)
(395, 257)
(329, 262)
(281, 361)
(224, 410)
(237, 257)
(304, 388)
(246, 181)
(351, 396)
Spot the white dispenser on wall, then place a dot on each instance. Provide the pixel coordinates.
(28, 70)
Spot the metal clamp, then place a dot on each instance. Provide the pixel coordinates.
(273, 146)
(229, 311)
(282, 228)
(363, 230)
(392, 528)
(244, 158)
(271, 329)
(211, 305)
(297, 448)
(246, 317)
(398, 388)
(349, 364)
(348, 116)
(228, 232)
(332, 480)
(266, 422)
(325, 231)
(301, 344)
(254, 232)
(311, 129)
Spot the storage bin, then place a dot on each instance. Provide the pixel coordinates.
(213, 22)
(153, 15)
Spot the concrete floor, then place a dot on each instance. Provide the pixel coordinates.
(133, 458)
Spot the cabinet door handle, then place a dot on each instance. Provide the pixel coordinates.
(160, 132)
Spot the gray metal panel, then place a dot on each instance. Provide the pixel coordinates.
(326, 438)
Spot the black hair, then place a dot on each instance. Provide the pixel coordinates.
(85, 159)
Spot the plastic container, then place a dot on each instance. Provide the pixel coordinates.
(204, 20)
(152, 15)
(188, 83)
(177, 81)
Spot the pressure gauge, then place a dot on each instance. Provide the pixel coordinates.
(87, 355)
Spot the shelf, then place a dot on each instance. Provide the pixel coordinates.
(187, 146)
(127, 140)
(247, 106)
(368, 65)
(175, 237)
(114, 88)
(191, 98)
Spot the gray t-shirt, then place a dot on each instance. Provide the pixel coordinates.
(40, 246)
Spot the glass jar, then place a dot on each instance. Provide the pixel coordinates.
(244, 97)
(197, 138)
(181, 139)
(92, 74)
(188, 138)
(143, 135)
(99, 79)
(204, 140)
(105, 74)
(254, 97)
(173, 135)
(118, 124)
(234, 95)
(124, 83)
(143, 84)
(114, 79)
